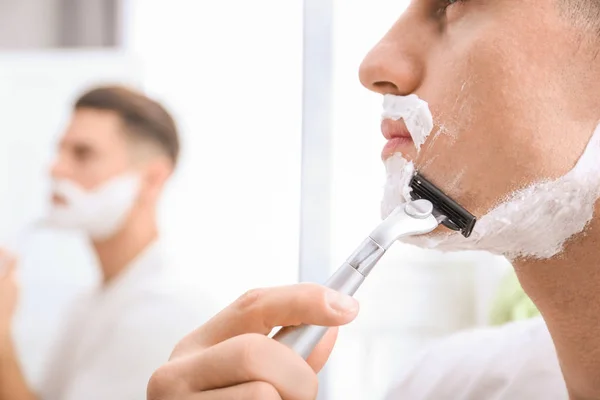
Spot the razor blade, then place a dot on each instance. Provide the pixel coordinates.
(450, 214)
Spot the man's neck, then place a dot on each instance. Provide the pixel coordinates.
(117, 252)
(566, 290)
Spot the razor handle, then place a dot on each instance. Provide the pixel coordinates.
(304, 338)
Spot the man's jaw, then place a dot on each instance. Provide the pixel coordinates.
(533, 223)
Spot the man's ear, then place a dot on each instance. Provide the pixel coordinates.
(156, 173)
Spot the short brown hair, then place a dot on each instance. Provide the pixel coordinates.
(143, 117)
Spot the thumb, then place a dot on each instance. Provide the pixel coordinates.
(322, 351)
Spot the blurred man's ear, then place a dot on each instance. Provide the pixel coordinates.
(156, 173)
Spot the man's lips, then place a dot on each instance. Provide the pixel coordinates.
(398, 138)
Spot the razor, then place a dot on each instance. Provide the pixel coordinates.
(428, 208)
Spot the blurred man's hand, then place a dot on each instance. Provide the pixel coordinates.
(9, 291)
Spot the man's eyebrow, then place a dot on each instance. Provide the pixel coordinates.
(82, 146)
(75, 145)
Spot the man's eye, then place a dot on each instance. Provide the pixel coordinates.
(447, 3)
(82, 153)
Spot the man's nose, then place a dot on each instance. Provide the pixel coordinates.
(396, 64)
(59, 169)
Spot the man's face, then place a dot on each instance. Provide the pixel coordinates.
(510, 86)
(92, 150)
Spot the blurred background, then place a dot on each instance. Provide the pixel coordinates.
(280, 174)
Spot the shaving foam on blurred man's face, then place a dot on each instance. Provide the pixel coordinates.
(94, 185)
(100, 212)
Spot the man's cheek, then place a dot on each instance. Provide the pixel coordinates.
(455, 168)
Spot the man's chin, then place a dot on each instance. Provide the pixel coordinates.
(397, 186)
(428, 241)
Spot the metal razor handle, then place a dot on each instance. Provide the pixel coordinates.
(413, 218)
(304, 338)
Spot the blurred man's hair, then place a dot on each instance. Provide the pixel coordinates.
(144, 119)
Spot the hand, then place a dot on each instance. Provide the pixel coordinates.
(8, 291)
(230, 357)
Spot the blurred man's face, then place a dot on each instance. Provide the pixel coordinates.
(95, 187)
(93, 149)
(510, 84)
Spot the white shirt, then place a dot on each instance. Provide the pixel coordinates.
(513, 362)
(118, 335)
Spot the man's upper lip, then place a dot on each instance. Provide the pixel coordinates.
(394, 129)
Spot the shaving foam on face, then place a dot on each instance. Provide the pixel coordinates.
(397, 187)
(100, 212)
(534, 222)
(413, 111)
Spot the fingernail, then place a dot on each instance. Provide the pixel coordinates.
(341, 303)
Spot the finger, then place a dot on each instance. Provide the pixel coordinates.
(261, 310)
(249, 358)
(246, 391)
(8, 264)
(322, 351)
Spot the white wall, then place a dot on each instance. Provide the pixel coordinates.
(28, 24)
(47, 24)
(232, 72)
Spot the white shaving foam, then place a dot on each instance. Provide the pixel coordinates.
(413, 111)
(397, 186)
(532, 223)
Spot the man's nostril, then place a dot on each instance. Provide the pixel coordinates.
(385, 87)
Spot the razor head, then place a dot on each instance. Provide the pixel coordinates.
(452, 214)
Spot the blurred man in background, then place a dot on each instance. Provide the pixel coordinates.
(118, 152)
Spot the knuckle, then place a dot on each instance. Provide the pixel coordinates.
(164, 383)
(252, 306)
(251, 352)
(314, 291)
(187, 345)
(179, 349)
(308, 387)
(251, 299)
(252, 361)
(262, 391)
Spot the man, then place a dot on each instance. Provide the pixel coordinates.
(514, 93)
(515, 82)
(115, 157)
